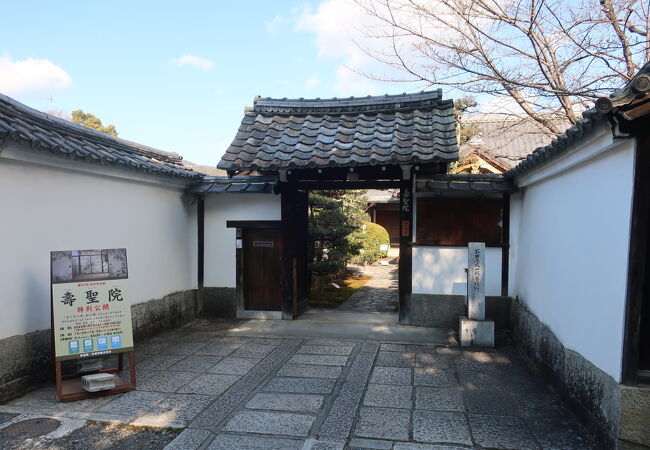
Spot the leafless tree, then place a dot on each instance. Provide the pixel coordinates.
(549, 56)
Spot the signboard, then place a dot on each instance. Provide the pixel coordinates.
(90, 304)
(476, 280)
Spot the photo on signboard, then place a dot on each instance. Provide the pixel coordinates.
(89, 265)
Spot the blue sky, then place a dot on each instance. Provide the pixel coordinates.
(177, 75)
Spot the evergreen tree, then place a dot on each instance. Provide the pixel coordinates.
(335, 218)
(92, 121)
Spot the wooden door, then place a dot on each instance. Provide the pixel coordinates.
(262, 269)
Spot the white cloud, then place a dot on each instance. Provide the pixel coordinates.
(337, 25)
(340, 30)
(312, 81)
(350, 83)
(194, 61)
(31, 76)
(275, 25)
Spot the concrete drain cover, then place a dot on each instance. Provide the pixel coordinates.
(30, 428)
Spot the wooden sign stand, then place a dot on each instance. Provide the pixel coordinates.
(68, 388)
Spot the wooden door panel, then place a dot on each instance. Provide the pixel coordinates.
(262, 269)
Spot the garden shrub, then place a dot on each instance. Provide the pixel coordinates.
(372, 236)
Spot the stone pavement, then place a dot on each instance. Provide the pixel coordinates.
(379, 294)
(234, 392)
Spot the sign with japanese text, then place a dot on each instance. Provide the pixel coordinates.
(476, 280)
(90, 304)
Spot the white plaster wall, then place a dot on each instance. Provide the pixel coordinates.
(570, 241)
(441, 270)
(220, 245)
(44, 209)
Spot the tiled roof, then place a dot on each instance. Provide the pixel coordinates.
(243, 185)
(629, 102)
(466, 183)
(508, 140)
(63, 138)
(384, 130)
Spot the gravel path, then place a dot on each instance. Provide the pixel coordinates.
(100, 436)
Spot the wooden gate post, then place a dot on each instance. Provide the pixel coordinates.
(288, 214)
(405, 244)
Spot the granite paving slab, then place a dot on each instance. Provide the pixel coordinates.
(267, 341)
(209, 384)
(361, 366)
(434, 360)
(324, 444)
(387, 396)
(557, 433)
(276, 423)
(236, 442)
(286, 402)
(431, 376)
(395, 359)
(326, 350)
(166, 381)
(340, 417)
(176, 407)
(190, 439)
(370, 347)
(300, 385)
(231, 365)
(441, 427)
(490, 402)
(132, 403)
(363, 444)
(332, 342)
(195, 363)
(393, 347)
(252, 350)
(226, 404)
(392, 375)
(501, 432)
(185, 348)
(320, 360)
(158, 362)
(219, 348)
(414, 446)
(310, 371)
(383, 423)
(439, 399)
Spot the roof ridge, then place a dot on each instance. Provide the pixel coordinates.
(58, 124)
(377, 103)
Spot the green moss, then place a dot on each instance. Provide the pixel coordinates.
(328, 296)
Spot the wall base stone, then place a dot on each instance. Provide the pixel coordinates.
(155, 316)
(27, 359)
(593, 395)
(219, 302)
(26, 363)
(635, 416)
(437, 310)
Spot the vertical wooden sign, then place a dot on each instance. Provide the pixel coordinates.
(405, 249)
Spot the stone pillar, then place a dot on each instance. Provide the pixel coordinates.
(474, 329)
(476, 280)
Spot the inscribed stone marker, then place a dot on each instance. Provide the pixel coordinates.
(476, 280)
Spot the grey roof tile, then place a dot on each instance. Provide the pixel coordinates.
(392, 129)
(61, 137)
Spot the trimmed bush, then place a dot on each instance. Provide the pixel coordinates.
(372, 237)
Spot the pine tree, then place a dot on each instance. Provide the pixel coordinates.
(335, 218)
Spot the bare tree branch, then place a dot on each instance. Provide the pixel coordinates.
(547, 56)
